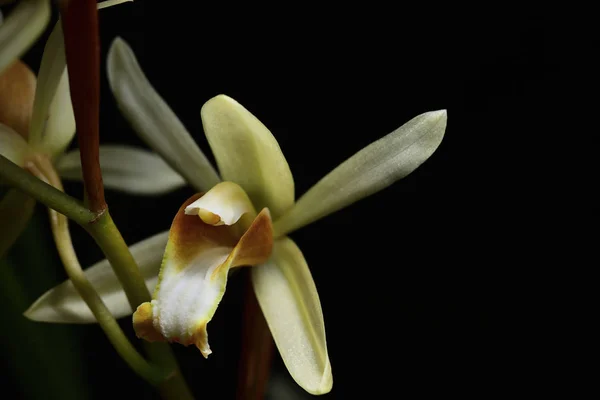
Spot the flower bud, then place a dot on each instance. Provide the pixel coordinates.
(17, 91)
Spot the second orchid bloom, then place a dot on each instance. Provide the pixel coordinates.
(243, 219)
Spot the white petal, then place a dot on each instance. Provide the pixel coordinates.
(371, 169)
(13, 146)
(53, 121)
(222, 205)
(290, 303)
(63, 304)
(110, 3)
(186, 300)
(125, 168)
(153, 120)
(60, 126)
(21, 28)
(248, 154)
(52, 70)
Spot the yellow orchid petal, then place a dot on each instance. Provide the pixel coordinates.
(248, 154)
(13, 146)
(373, 168)
(17, 91)
(290, 303)
(224, 204)
(21, 28)
(193, 276)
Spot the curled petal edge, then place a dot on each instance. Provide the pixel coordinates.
(193, 276)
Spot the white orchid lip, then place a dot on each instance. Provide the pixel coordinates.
(194, 273)
(224, 204)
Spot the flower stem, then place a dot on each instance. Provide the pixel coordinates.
(103, 229)
(108, 237)
(151, 373)
(43, 192)
(257, 349)
(82, 51)
(64, 244)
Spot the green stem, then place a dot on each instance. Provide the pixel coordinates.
(44, 170)
(109, 325)
(108, 237)
(19, 178)
(254, 366)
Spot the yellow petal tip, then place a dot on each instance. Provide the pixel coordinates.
(143, 324)
(200, 339)
(209, 218)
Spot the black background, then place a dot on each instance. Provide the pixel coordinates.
(407, 277)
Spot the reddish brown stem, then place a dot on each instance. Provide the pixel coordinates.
(82, 49)
(257, 349)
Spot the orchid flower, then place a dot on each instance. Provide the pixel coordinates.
(241, 218)
(36, 118)
(40, 118)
